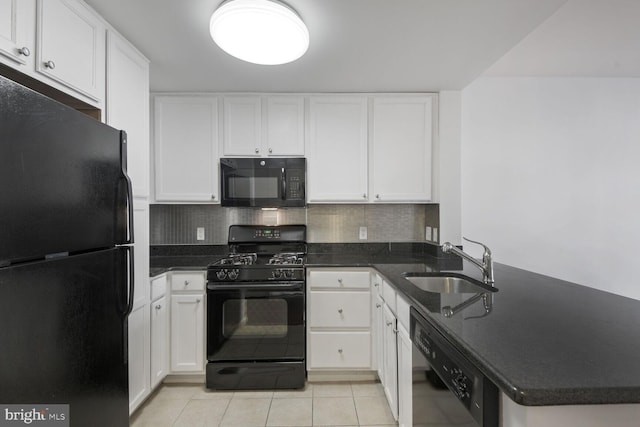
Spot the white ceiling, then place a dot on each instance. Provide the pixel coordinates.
(584, 38)
(356, 45)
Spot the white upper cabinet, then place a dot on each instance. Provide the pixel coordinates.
(242, 126)
(128, 106)
(263, 126)
(186, 148)
(337, 149)
(17, 27)
(401, 144)
(71, 47)
(284, 126)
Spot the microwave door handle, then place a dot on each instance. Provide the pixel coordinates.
(284, 184)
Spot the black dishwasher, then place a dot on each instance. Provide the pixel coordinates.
(447, 389)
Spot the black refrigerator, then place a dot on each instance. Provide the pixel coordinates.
(66, 264)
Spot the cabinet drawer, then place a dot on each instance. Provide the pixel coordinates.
(187, 281)
(340, 309)
(158, 287)
(340, 350)
(389, 295)
(340, 279)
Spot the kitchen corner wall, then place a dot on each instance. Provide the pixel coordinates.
(177, 224)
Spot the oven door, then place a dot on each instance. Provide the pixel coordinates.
(256, 322)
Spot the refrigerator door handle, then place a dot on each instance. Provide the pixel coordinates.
(131, 280)
(123, 167)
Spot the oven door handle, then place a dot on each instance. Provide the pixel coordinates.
(262, 287)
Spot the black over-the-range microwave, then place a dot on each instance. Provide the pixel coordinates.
(263, 182)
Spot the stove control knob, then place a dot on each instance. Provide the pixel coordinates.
(221, 274)
(233, 274)
(288, 274)
(276, 274)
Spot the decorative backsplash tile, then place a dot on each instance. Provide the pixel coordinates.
(177, 224)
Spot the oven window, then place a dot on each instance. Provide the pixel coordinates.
(254, 318)
(253, 188)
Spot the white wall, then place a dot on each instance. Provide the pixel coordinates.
(551, 176)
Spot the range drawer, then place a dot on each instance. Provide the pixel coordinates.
(339, 309)
(187, 281)
(339, 279)
(339, 350)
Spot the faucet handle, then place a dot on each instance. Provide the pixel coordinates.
(487, 251)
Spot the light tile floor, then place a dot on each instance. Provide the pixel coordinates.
(318, 404)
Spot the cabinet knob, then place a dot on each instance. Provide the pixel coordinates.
(257, 150)
(340, 310)
(395, 331)
(270, 150)
(213, 197)
(340, 281)
(186, 283)
(340, 350)
(376, 284)
(24, 51)
(389, 323)
(378, 306)
(364, 195)
(50, 65)
(377, 196)
(158, 307)
(198, 301)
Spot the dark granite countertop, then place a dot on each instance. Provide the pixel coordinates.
(544, 342)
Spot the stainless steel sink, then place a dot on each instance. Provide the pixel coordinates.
(446, 284)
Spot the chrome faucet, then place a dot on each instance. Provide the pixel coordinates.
(486, 265)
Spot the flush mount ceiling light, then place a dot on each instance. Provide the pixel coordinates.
(259, 31)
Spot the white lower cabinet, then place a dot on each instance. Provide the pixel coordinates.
(338, 319)
(405, 377)
(187, 322)
(139, 384)
(390, 356)
(159, 339)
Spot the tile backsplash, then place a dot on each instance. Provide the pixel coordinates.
(177, 224)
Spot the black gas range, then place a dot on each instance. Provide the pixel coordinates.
(256, 310)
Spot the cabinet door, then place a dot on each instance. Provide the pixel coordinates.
(71, 46)
(159, 340)
(337, 151)
(401, 148)
(186, 148)
(378, 345)
(284, 133)
(405, 378)
(139, 383)
(390, 360)
(16, 21)
(242, 126)
(127, 106)
(187, 333)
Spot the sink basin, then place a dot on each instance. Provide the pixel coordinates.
(446, 284)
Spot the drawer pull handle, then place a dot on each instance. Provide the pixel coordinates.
(340, 310)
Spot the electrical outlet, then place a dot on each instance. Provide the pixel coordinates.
(435, 235)
(200, 233)
(363, 233)
(427, 233)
